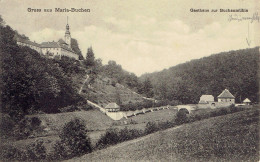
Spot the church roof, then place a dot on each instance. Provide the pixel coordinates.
(226, 94)
(246, 100)
(112, 106)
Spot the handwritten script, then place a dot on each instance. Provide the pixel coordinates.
(236, 17)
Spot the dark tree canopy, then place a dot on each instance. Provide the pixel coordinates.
(234, 70)
(75, 47)
(30, 82)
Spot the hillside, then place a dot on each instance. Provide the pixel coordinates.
(234, 70)
(232, 137)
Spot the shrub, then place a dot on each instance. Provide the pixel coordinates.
(10, 152)
(70, 108)
(74, 136)
(61, 151)
(151, 127)
(109, 138)
(36, 151)
(181, 117)
(35, 122)
(6, 125)
(165, 125)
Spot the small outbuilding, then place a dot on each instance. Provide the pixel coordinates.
(112, 107)
(226, 97)
(247, 101)
(205, 99)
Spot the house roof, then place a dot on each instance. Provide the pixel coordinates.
(50, 45)
(226, 94)
(206, 98)
(27, 42)
(59, 44)
(246, 100)
(112, 106)
(61, 41)
(203, 102)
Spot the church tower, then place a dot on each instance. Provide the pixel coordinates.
(67, 34)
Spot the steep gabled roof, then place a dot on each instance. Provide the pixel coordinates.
(112, 106)
(246, 100)
(226, 94)
(61, 41)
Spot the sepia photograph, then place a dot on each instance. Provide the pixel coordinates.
(129, 80)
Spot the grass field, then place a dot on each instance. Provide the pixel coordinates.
(232, 137)
(156, 116)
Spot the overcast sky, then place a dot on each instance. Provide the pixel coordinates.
(141, 35)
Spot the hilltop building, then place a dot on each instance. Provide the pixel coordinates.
(226, 97)
(52, 49)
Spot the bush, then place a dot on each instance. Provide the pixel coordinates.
(6, 126)
(70, 108)
(10, 152)
(74, 136)
(181, 117)
(114, 136)
(151, 127)
(61, 151)
(165, 125)
(109, 138)
(36, 151)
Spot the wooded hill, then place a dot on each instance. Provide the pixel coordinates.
(234, 70)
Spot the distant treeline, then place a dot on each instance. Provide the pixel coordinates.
(234, 70)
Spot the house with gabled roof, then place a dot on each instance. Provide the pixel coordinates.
(205, 99)
(226, 97)
(112, 107)
(247, 101)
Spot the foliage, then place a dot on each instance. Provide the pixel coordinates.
(32, 83)
(234, 70)
(75, 47)
(119, 75)
(114, 136)
(73, 136)
(6, 126)
(151, 127)
(69, 65)
(36, 151)
(10, 152)
(181, 117)
(90, 58)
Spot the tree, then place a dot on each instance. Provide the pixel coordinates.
(73, 135)
(181, 116)
(90, 59)
(2, 22)
(75, 47)
(148, 88)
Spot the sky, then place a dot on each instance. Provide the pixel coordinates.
(141, 35)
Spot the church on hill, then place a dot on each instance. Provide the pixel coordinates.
(53, 49)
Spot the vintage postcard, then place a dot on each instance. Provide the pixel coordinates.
(129, 80)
